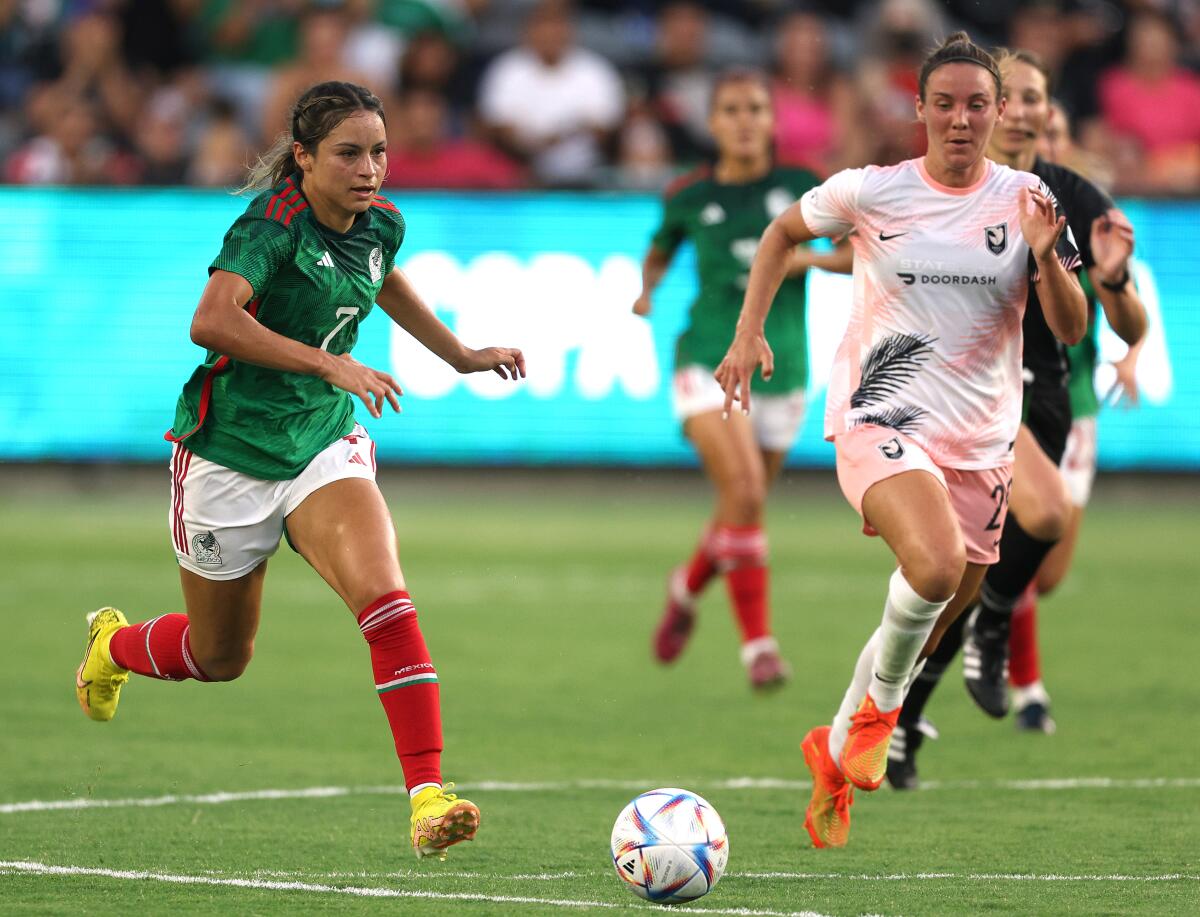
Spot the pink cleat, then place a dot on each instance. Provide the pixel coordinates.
(765, 667)
(675, 628)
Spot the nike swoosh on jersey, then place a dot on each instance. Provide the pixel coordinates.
(883, 238)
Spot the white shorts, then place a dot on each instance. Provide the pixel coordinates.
(1079, 460)
(224, 523)
(776, 418)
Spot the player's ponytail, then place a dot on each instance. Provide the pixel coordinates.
(315, 115)
(958, 47)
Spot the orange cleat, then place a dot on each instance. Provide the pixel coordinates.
(864, 756)
(827, 818)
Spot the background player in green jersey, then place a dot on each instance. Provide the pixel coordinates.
(722, 210)
(266, 443)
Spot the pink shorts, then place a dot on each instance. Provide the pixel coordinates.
(869, 454)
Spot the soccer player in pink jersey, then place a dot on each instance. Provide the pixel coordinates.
(925, 398)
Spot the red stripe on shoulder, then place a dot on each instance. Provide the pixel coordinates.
(384, 204)
(687, 180)
(303, 205)
(288, 203)
(279, 196)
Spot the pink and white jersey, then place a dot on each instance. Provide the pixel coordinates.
(933, 347)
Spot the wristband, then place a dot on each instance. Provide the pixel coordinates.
(1119, 284)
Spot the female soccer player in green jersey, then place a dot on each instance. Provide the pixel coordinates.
(723, 211)
(266, 444)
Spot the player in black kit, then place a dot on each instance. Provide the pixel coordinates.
(1039, 505)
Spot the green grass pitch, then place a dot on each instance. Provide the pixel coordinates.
(537, 595)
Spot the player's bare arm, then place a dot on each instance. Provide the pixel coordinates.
(838, 261)
(404, 305)
(1112, 246)
(654, 266)
(749, 349)
(222, 324)
(1063, 302)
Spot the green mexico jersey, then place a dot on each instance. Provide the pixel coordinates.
(1082, 386)
(311, 284)
(725, 222)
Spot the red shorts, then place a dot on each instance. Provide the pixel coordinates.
(869, 454)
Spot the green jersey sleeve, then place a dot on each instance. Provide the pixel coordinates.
(396, 240)
(673, 229)
(255, 248)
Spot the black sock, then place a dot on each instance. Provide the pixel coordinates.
(1020, 556)
(935, 668)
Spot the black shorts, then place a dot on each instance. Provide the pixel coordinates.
(1047, 413)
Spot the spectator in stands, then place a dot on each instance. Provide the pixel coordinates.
(1153, 105)
(161, 139)
(644, 159)
(677, 80)
(552, 104)
(431, 61)
(71, 150)
(322, 44)
(897, 33)
(243, 41)
(817, 114)
(223, 151)
(422, 153)
(94, 71)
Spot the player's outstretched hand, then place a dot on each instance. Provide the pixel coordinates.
(371, 385)
(748, 351)
(1125, 388)
(505, 362)
(1038, 223)
(1112, 243)
(641, 305)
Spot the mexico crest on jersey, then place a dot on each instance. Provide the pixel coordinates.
(375, 263)
(996, 237)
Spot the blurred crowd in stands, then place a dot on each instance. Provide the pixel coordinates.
(499, 94)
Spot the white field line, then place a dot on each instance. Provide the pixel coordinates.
(495, 786)
(774, 876)
(25, 867)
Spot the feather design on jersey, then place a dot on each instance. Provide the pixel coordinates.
(903, 418)
(891, 363)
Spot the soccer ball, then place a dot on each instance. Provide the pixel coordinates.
(669, 846)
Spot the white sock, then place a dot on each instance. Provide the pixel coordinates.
(412, 794)
(854, 696)
(1029, 694)
(917, 670)
(908, 621)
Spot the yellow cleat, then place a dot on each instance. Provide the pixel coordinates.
(98, 679)
(441, 820)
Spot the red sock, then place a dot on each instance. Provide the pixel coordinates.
(1024, 667)
(407, 684)
(703, 566)
(158, 648)
(741, 552)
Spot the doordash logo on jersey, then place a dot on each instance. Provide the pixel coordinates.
(939, 273)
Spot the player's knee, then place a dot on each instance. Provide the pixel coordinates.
(226, 663)
(935, 577)
(1047, 581)
(746, 496)
(1048, 521)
